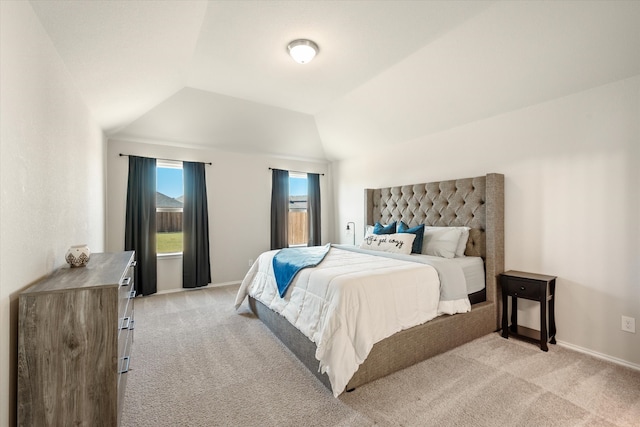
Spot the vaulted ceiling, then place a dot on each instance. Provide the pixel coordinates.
(217, 73)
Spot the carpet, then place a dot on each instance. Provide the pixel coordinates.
(198, 362)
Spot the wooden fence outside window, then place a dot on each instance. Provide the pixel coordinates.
(298, 234)
(169, 222)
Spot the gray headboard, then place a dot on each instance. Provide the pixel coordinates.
(473, 202)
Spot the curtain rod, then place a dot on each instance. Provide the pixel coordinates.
(296, 171)
(170, 160)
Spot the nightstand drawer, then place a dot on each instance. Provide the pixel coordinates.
(524, 289)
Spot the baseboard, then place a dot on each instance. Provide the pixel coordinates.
(211, 285)
(600, 355)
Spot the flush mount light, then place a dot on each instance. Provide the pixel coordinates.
(302, 50)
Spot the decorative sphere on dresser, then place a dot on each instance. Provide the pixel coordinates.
(78, 255)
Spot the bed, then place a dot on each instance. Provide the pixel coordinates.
(477, 203)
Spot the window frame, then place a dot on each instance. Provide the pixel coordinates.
(299, 175)
(168, 164)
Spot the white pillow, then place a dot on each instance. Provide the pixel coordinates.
(441, 242)
(462, 242)
(399, 243)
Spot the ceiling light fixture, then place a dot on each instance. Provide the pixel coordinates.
(302, 50)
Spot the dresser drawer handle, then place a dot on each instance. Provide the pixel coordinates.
(132, 294)
(125, 363)
(125, 323)
(134, 263)
(126, 281)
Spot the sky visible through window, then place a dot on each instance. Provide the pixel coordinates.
(297, 186)
(169, 182)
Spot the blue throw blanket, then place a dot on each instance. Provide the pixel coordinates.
(289, 261)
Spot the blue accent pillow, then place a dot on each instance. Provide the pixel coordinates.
(418, 231)
(384, 229)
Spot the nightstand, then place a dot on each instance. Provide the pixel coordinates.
(535, 287)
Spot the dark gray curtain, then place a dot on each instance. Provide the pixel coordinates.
(140, 223)
(313, 209)
(279, 209)
(196, 265)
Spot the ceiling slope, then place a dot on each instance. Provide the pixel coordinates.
(242, 50)
(513, 55)
(198, 118)
(125, 56)
(216, 73)
(129, 57)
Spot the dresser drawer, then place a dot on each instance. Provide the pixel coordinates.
(524, 288)
(125, 291)
(123, 358)
(125, 329)
(124, 362)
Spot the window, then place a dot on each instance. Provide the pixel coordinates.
(298, 232)
(169, 198)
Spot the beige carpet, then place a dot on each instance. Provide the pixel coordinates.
(198, 362)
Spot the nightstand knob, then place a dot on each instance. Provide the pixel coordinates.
(522, 288)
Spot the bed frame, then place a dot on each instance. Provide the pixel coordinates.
(474, 202)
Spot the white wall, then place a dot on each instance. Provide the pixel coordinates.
(239, 192)
(572, 205)
(52, 174)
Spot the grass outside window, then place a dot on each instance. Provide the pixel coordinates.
(168, 243)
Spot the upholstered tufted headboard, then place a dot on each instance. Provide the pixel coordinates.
(473, 202)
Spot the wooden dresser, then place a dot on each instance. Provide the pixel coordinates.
(75, 330)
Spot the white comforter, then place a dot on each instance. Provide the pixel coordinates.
(347, 304)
